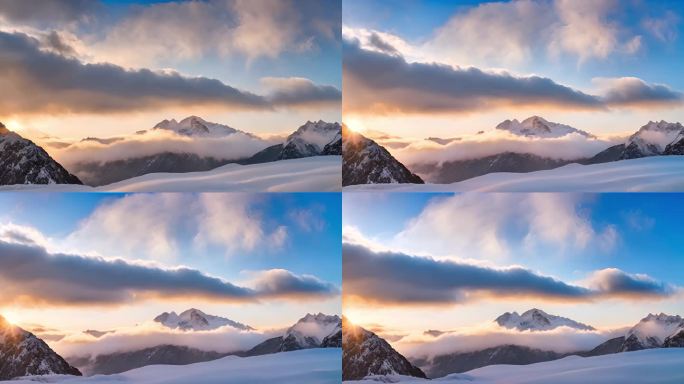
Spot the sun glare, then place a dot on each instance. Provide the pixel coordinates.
(354, 124)
(14, 125)
(10, 316)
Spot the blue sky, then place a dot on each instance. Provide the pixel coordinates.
(316, 253)
(649, 226)
(578, 239)
(575, 44)
(241, 44)
(286, 247)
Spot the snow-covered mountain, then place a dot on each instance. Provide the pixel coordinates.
(538, 320)
(366, 162)
(652, 139)
(364, 354)
(538, 127)
(311, 139)
(653, 331)
(196, 126)
(311, 331)
(196, 320)
(23, 162)
(23, 354)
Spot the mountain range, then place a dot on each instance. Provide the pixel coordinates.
(653, 139)
(653, 331)
(311, 139)
(311, 331)
(24, 354)
(23, 162)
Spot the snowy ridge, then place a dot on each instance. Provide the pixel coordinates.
(654, 366)
(652, 174)
(196, 320)
(538, 320)
(315, 174)
(311, 366)
(538, 127)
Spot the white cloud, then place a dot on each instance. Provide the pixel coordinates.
(489, 226)
(153, 225)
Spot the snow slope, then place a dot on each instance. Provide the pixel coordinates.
(651, 174)
(652, 366)
(320, 366)
(311, 174)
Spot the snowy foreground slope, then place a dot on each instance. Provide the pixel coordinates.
(649, 174)
(651, 366)
(320, 365)
(317, 173)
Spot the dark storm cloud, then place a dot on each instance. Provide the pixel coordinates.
(399, 278)
(29, 272)
(378, 81)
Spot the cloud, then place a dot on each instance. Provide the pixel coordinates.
(381, 83)
(402, 279)
(153, 225)
(632, 91)
(52, 12)
(614, 281)
(570, 147)
(516, 33)
(148, 335)
(51, 83)
(152, 142)
(561, 340)
(33, 276)
(494, 226)
(283, 282)
(308, 219)
(254, 29)
(30, 273)
(297, 91)
(663, 28)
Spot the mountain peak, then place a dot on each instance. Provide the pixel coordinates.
(537, 320)
(537, 126)
(3, 129)
(195, 320)
(195, 126)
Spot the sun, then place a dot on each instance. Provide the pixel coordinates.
(10, 316)
(355, 124)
